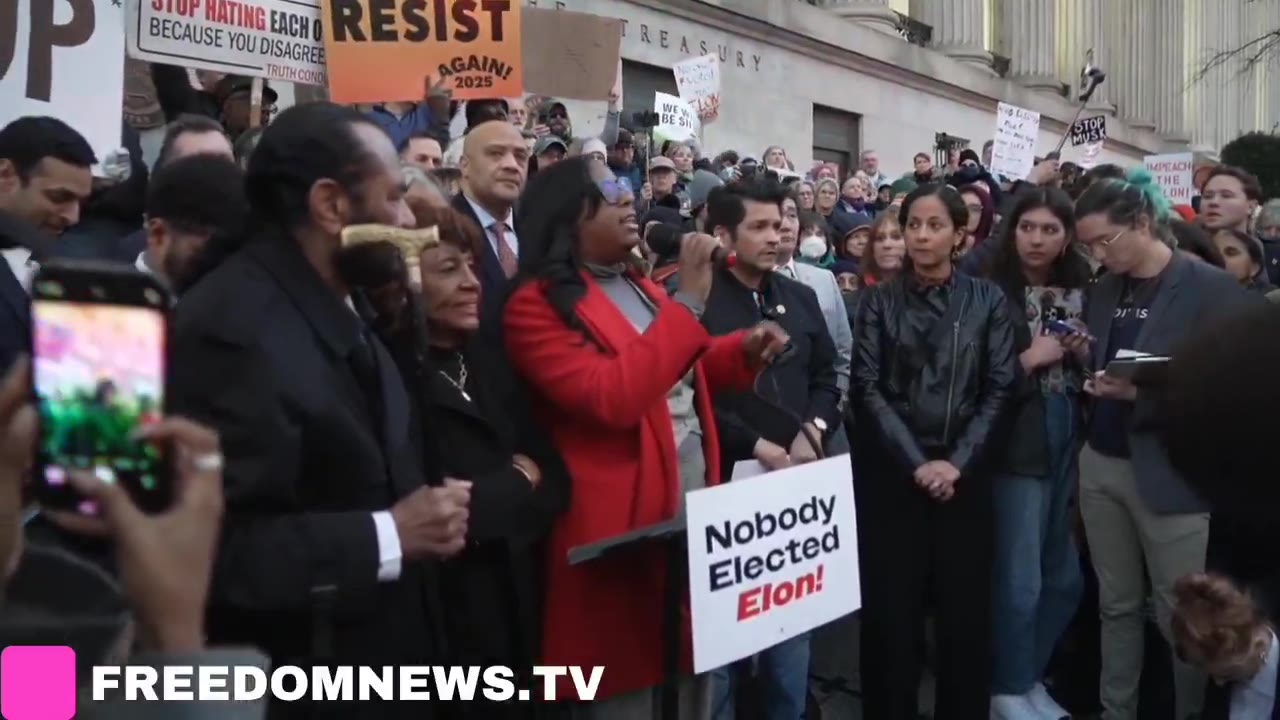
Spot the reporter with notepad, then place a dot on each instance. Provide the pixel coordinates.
(1140, 517)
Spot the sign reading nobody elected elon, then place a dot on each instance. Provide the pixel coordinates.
(771, 557)
(393, 50)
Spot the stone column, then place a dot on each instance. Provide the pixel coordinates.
(958, 29)
(875, 14)
(1171, 72)
(1132, 68)
(1027, 36)
(1082, 26)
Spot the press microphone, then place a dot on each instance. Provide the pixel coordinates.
(665, 241)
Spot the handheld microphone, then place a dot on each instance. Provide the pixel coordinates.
(665, 241)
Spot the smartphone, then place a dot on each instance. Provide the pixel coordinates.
(1058, 327)
(99, 341)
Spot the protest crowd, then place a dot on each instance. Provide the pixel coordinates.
(411, 375)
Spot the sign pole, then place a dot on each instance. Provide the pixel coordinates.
(255, 103)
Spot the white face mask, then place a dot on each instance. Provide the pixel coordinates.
(813, 247)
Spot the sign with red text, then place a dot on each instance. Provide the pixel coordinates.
(698, 82)
(771, 557)
(273, 39)
(1173, 173)
(65, 60)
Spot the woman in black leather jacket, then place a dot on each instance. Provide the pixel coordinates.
(933, 368)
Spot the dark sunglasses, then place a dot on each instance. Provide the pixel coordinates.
(614, 190)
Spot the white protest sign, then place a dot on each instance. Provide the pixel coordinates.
(274, 39)
(770, 557)
(698, 82)
(1173, 173)
(67, 62)
(1013, 153)
(676, 119)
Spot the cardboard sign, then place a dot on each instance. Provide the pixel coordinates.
(274, 39)
(676, 118)
(66, 60)
(771, 557)
(1086, 131)
(569, 54)
(1173, 173)
(698, 82)
(1014, 152)
(393, 50)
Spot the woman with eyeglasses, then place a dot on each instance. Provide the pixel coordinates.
(622, 379)
(476, 428)
(1140, 517)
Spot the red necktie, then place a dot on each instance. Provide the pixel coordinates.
(506, 258)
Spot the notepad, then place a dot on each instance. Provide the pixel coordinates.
(1139, 368)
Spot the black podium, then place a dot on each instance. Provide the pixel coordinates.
(670, 535)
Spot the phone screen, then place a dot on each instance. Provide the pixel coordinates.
(99, 371)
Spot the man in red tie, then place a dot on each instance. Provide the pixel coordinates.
(494, 165)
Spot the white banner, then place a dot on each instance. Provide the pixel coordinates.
(771, 557)
(1173, 173)
(1014, 151)
(273, 39)
(67, 62)
(698, 82)
(676, 118)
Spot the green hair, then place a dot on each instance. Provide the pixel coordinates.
(1145, 182)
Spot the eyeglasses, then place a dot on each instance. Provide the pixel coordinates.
(1102, 246)
(614, 190)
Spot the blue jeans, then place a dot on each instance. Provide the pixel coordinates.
(1037, 569)
(784, 678)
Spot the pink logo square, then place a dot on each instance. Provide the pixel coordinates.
(37, 683)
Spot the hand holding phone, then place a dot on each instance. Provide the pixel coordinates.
(99, 336)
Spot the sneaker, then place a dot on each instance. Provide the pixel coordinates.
(1044, 704)
(1013, 707)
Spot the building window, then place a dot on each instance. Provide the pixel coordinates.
(642, 82)
(835, 138)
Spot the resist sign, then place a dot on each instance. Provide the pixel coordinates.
(391, 50)
(771, 557)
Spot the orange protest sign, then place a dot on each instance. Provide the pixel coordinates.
(391, 50)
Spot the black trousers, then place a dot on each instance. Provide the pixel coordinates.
(917, 556)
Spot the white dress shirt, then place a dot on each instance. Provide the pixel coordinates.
(486, 223)
(390, 554)
(141, 263)
(21, 265)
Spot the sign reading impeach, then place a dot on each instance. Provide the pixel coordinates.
(390, 50)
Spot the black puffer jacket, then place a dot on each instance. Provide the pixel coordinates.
(933, 369)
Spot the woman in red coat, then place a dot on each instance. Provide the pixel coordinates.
(621, 377)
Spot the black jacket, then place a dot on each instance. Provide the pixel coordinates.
(1024, 437)
(267, 355)
(15, 304)
(803, 382)
(935, 395)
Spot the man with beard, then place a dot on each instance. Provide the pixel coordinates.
(188, 201)
(329, 530)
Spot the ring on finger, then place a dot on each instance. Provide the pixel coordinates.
(209, 462)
